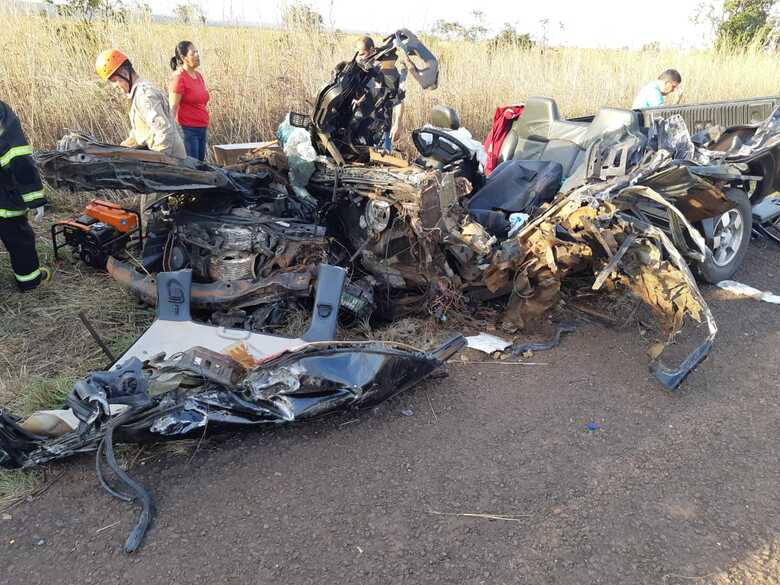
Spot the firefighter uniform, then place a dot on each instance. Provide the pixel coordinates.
(20, 190)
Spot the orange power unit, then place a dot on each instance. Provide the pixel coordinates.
(102, 230)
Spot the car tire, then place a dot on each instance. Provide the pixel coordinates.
(729, 240)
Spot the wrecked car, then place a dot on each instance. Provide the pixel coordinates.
(420, 237)
(599, 206)
(363, 93)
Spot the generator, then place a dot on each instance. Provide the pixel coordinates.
(104, 229)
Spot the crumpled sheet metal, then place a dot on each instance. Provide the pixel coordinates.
(92, 167)
(301, 384)
(316, 380)
(741, 143)
(404, 184)
(581, 233)
(408, 232)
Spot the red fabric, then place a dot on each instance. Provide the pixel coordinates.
(192, 110)
(502, 123)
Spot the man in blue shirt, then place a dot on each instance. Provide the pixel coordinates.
(652, 95)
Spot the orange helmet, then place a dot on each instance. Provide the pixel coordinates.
(108, 62)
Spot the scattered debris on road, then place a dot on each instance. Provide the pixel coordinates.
(487, 343)
(743, 290)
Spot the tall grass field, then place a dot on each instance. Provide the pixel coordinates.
(255, 75)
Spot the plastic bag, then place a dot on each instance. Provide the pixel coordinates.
(301, 155)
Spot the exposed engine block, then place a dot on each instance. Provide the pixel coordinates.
(240, 244)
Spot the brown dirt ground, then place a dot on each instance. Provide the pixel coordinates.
(673, 488)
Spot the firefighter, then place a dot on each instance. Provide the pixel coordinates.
(151, 123)
(20, 190)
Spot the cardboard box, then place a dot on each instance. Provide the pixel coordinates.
(229, 154)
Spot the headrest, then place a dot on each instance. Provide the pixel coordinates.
(609, 120)
(538, 116)
(541, 108)
(445, 117)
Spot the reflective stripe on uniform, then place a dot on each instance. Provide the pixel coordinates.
(7, 213)
(28, 277)
(13, 152)
(27, 197)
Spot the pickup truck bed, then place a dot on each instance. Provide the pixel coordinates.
(731, 113)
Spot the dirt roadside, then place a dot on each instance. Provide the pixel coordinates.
(670, 487)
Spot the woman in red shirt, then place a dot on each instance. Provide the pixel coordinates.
(188, 99)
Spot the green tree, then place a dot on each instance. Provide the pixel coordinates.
(450, 29)
(143, 11)
(508, 37)
(189, 13)
(301, 16)
(744, 22)
(477, 31)
(80, 24)
(88, 11)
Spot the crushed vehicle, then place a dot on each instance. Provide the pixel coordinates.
(739, 131)
(422, 237)
(363, 93)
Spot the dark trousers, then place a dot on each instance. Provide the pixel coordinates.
(19, 239)
(195, 141)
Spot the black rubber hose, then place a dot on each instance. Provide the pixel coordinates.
(101, 478)
(137, 489)
(565, 327)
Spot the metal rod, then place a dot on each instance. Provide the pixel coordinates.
(96, 337)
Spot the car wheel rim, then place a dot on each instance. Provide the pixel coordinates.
(727, 237)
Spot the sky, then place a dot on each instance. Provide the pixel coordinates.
(591, 23)
(585, 23)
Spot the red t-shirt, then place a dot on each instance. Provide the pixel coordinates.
(192, 110)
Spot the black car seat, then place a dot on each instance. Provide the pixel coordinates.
(514, 186)
(540, 134)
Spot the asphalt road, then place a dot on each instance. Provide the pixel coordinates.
(671, 488)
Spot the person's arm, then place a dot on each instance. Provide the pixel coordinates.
(675, 98)
(174, 99)
(130, 141)
(175, 93)
(16, 159)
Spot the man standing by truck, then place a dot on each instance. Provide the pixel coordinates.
(20, 191)
(653, 94)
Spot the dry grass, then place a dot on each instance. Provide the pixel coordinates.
(16, 486)
(256, 76)
(43, 344)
